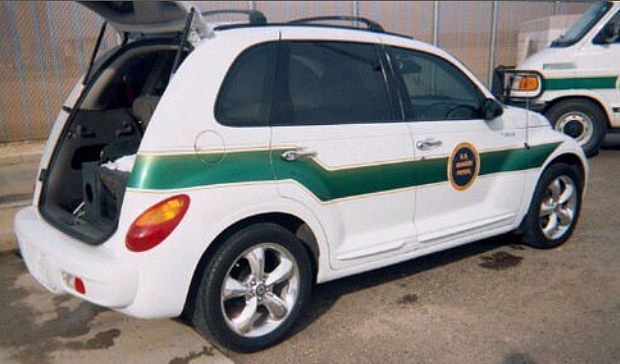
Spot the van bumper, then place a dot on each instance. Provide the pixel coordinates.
(55, 260)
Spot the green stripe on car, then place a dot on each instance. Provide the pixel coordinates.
(590, 83)
(189, 171)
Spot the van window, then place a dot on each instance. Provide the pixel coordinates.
(583, 25)
(329, 83)
(611, 33)
(246, 94)
(433, 88)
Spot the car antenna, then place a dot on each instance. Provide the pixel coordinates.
(527, 123)
(177, 56)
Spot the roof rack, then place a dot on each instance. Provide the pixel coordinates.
(371, 25)
(255, 17)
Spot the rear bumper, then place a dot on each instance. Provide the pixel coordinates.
(51, 257)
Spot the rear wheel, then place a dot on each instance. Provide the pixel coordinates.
(582, 120)
(254, 289)
(555, 208)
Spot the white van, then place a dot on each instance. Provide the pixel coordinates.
(575, 82)
(277, 156)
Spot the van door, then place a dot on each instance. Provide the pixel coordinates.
(471, 184)
(598, 63)
(339, 149)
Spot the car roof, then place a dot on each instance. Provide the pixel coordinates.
(331, 33)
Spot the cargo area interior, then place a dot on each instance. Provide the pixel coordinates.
(86, 180)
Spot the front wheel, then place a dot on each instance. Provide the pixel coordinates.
(554, 209)
(254, 289)
(582, 120)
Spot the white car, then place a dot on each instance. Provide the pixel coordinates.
(278, 156)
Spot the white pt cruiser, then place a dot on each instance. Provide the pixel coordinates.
(219, 172)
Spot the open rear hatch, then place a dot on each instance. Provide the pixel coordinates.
(85, 182)
(145, 17)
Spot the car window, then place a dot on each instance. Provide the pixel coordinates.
(246, 93)
(327, 83)
(433, 88)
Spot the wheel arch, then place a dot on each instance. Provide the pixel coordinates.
(571, 160)
(290, 222)
(590, 98)
(529, 235)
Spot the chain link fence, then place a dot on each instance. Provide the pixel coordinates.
(46, 45)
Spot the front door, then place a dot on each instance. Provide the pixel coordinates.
(471, 184)
(598, 65)
(339, 149)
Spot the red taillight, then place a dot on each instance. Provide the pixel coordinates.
(74, 283)
(79, 286)
(155, 224)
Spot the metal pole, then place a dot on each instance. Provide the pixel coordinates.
(557, 8)
(355, 8)
(493, 45)
(435, 23)
(251, 5)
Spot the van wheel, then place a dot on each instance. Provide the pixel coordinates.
(582, 120)
(254, 289)
(555, 208)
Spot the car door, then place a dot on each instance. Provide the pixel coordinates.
(470, 184)
(339, 149)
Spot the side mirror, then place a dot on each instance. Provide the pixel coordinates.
(492, 109)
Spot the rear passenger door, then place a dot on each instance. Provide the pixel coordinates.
(340, 148)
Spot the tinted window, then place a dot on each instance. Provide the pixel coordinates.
(433, 88)
(331, 83)
(245, 97)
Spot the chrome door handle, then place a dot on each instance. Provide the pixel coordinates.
(428, 144)
(295, 154)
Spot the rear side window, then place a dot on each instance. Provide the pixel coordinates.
(246, 94)
(433, 88)
(328, 83)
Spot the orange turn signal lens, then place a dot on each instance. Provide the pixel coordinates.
(529, 83)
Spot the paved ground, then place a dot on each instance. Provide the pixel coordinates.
(491, 302)
(18, 167)
(38, 328)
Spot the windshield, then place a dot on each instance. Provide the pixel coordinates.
(583, 25)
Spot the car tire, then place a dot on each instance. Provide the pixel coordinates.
(253, 289)
(555, 208)
(581, 119)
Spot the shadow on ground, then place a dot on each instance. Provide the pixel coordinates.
(325, 296)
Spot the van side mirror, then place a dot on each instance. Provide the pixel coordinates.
(492, 109)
